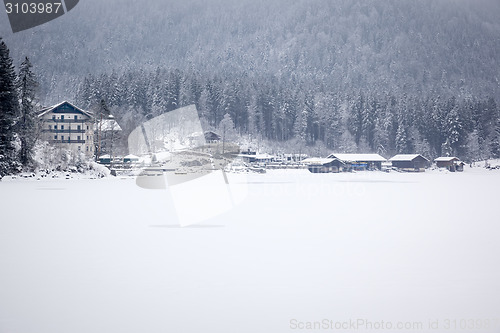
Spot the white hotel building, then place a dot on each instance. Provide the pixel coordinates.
(68, 126)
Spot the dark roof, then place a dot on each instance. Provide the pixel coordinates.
(358, 157)
(67, 106)
(211, 136)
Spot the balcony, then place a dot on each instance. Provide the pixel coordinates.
(67, 141)
(52, 130)
(79, 121)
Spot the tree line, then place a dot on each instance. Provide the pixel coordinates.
(18, 118)
(297, 115)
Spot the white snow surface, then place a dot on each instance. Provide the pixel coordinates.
(84, 255)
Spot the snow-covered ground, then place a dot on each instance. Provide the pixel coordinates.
(370, 248)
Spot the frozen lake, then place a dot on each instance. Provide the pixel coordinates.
(415, 250)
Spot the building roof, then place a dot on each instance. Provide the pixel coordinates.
(130, 156)
(406, 157)
(209, 136)
(108, 124)
(447, 159)
(46, 110)
(318, 160)
(264, 156)
(358, 157)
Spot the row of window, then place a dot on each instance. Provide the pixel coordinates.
(80, 148)
(69, 127)
(56, 137)
(62, 117)
(69, 138)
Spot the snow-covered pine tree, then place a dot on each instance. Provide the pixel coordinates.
(495, 140)
(27, 126)
(227, 130)
(474, 152)
(9, 110)
(402, 139)
(102, 112)
(454, 130)
(495, 135)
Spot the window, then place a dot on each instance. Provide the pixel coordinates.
(87, 148)
(55, 127)
(79, 127)
(87, 128)
(79, 148)
(62, 127)
(87, 138)
(78, 138)
(62, 117)
(62, 137)
(53, 117)
(76, 117)
(55, 137)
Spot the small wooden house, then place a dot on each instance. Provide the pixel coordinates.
(410, 162)
(324, 165)
(451, 163)
(360, 161)
(212, 137)
(257, 158)
(131, 159)
(105, 159)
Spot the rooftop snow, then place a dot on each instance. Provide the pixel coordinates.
(318, 160)
(405, 157)
(358, 157)
(46, 110)
(446, 159)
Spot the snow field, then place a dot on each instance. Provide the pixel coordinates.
(106, 256)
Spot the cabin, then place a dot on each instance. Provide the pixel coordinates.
(294, 158)
(131, 159)
(257, 158)
(324, 165)
(212, 137)
(360, 162)
(410, 162)
(451, 163)
(205, 141)
(105, 159)
(69, 127)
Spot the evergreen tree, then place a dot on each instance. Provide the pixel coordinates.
(27, 126)
(495, 140)
(226, 129)
(9, 110)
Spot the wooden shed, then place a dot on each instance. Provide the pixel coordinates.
(410, 162)
(105, 159)
(212, 137)
(450, 162)
(131, 159)
(324, 165)
(360, 161)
